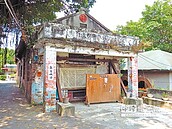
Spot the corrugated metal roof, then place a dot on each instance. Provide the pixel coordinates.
(155, 59)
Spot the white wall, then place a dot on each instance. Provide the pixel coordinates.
(170, 81)
(158, 79)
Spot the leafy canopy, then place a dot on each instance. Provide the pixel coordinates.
(154, 27)
(38, 11)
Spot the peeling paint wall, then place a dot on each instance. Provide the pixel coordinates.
(49, 80)
(37, 87)
(89, 23)
(159, 79)
(60, 31)
(133, 76)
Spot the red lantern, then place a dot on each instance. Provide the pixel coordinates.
(83, 18)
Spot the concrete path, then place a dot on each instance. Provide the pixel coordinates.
(16, 113)
(114, 116)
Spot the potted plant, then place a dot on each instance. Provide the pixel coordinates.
(65, 96)
(165, 96)
(150, 95)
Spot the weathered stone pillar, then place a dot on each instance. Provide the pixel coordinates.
(49, 80)
(133, 76)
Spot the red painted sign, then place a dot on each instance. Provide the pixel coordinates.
(83, 18)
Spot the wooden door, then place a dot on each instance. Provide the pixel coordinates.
(102, 88)
(91, 88)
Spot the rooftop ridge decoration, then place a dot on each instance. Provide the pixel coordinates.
(60, 31)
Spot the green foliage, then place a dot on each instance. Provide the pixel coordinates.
(45, 11)
(154, 27)
(2, 77)
(36, 12)
(122, 63)
(40, 12)
(165, 95)
(11, 56)
(10, 59)
(158, 19)
(133, 29)
(1, 71)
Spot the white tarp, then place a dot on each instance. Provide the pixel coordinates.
(74, 77)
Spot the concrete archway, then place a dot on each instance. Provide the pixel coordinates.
(140, 79)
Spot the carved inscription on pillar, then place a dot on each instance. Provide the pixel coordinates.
(50, 80)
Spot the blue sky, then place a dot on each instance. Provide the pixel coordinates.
(117, 12)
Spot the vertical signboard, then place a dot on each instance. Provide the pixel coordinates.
(133, 76)
(49, 80)
(50, 72)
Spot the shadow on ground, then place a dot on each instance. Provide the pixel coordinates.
(16, 113)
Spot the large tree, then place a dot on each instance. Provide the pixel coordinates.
(154, 27)
(23, 14)
(34, 11)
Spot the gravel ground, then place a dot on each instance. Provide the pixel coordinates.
(16, 113)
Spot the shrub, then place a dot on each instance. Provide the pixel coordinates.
(165, 95)
(1, 72)
(2, 77)
(12, 75)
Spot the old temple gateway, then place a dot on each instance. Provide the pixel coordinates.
(78, 57)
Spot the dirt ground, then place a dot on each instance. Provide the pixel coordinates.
(16, 113)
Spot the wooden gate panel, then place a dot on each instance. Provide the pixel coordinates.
(102, 88)
(93, 86)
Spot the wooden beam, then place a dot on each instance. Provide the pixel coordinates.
(122, 84)
(84, 59)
